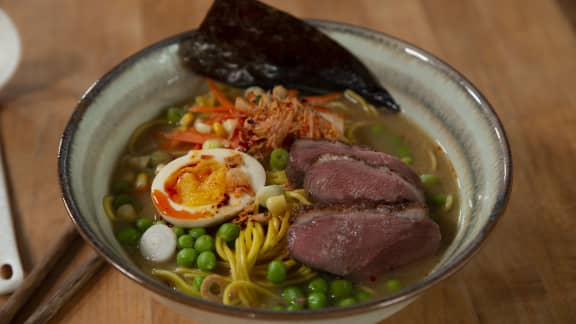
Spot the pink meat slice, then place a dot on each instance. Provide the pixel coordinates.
(305, 152)
(362, 242)
(343, 179)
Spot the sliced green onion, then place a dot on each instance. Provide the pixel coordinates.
(277, 205)
(429, 180)
(212, 144)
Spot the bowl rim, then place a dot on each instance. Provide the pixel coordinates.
(64, 157)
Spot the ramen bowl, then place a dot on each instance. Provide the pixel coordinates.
(432, 95)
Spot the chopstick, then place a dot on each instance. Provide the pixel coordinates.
(45, 312)
(37, 276)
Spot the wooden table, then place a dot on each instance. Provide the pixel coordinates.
(521, 54)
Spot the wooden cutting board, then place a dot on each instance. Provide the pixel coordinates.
(521, 54)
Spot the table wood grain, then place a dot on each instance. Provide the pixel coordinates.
(521, 54)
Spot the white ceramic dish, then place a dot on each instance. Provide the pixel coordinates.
(9, 48)
(9, 258)
(431, 93)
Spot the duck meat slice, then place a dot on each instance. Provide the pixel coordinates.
(304, 152)
(340, 179)
(362, 242)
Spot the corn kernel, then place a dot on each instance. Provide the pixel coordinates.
(186, 120)
(218, 129)
(141, 183)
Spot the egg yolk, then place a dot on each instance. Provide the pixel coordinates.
(201, 183)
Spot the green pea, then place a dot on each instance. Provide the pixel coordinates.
(128, 236)
(429, 180)
(293, 295)
(347, 302)
(197, 283)
(121, 187)
(294, 307)
(186, 257)
(206, 261)
(121, 200)
(185, 241)
(279, 159)
(363, 296)
(197, 232)
(317, 300)
(228, 232)
(318, 285)
(341, 288)
(437, 200)
(142, 224)
(159, 157)
(276, 272)
(179, 231)
(174, 114)
(204, 243)
(394, 285)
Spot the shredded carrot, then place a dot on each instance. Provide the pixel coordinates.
(292, 93)
(189, 136)
(202, 109)
(316, 100)
(168, 145)
(219, 95)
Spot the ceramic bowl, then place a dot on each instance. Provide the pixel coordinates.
(10, 48)
(432, 94)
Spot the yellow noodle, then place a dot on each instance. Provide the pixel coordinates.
(175, 281)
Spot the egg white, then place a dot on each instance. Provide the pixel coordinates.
(250, 166)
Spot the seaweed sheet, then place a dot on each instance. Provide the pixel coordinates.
(245, 42)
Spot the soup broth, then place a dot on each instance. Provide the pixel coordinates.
(208, 122)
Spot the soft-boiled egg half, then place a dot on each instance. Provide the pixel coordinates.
(206, 187)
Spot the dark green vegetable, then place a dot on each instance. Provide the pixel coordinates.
(206, 261)
(317, 300)
(198, 282)
(142, 224)
(179, 231)
(204, 243)
(318, 285)
(279, 159)
(240, 42)
(341, 288)
(394, 285)
(185, 241)
(293, 295)
(186, 257)
(121, 200)
(128, 236)
(197, 232)
(228, 232)
(276, 272)
(347, 302)
(121, 187)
